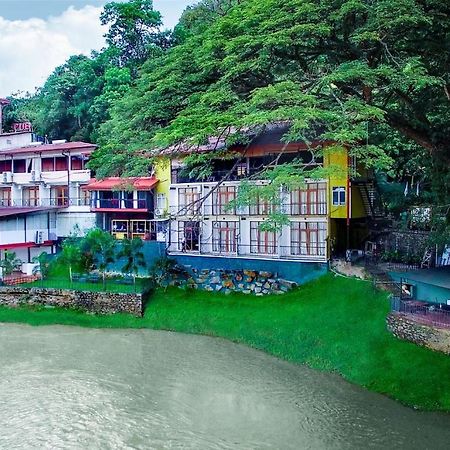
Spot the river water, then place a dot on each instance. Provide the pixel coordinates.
(72, 388)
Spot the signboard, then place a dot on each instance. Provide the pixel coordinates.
(22, 126)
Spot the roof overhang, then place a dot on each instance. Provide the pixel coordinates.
(117, 184)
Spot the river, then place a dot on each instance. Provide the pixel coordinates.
(74, 388)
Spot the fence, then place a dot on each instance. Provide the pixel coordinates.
(422, 312)
(90, 282)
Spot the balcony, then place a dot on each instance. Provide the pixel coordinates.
(113, 204)
(62, 202)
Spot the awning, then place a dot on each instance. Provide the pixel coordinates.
(116, 183)
(18, 211)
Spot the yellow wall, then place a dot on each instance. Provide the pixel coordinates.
(162, 172)
(336, 159)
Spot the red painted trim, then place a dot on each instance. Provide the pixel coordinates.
(127, 210)
(26, 245)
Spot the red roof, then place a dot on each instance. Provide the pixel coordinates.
(16, 210)
(114, 183)
(67, 146)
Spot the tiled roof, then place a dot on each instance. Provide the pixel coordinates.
(67, 146)
(108, 184)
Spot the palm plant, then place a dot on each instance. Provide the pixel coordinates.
(134, 257)
(43, 266)
(70, 255)
(10, 263)
(102, 247)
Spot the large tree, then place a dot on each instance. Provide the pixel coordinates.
(134, 29)
(359, 72)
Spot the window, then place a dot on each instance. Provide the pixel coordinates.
(60, 196)
(308, 238)
(19, 166)
(224, 237)
(188, 201)
(5, 166)
(189, 236)
(77, 162)
(262, 242)
(222, 198)
(54, 164)
(261, 207)
(48, 164)
(338, 196)
(85, 197)
(5, 196)
(30, 196)
(161, 202)
(312, 200)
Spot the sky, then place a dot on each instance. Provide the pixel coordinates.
(36, 36)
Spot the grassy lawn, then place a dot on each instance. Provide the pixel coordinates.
(333, 324)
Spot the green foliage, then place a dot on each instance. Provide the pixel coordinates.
(101, 246)
(70, 256)
(10, 263)
(134, 30)
(348, 71)
(44, 264)
(131, 250)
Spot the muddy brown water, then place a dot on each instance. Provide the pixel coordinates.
(73, 388)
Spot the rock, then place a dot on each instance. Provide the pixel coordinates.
(265, 274)
(265, 291)
(238, 277)
(215, 280)
(249, 279)
(208, 288)
(267, 285)
(258, 290)
(252, 287)
(241, 286)
(218, 287)
(247, 291)
(250, 273)
(228, 284)
(258, 284)
(260, 294)
(287, 284)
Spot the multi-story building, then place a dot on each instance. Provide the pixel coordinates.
(324, 215)
(41, 195)
(124, 206)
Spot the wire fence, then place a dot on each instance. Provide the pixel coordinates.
(82, 282)
(422, 312)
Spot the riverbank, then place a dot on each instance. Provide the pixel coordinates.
(333, 324)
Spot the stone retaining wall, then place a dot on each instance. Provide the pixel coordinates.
(227, 281)
(404, 327)
(95, 302)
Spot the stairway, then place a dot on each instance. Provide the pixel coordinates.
(370, 199)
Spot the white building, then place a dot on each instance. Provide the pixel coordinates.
(41, 195)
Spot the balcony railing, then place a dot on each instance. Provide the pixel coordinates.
(46, 202)
(120, 204)
(317, 251)
(291, 209)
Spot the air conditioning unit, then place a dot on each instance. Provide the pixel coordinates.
(7, 177)
(159, 212)
(39, 238)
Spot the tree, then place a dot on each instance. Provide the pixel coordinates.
(134, 29)
(70, 256)
(10, 263)
(360, 73)
(102, 248)
(134, 257)
(44, 263)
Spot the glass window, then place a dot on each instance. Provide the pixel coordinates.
(222, 198)
(224, 237)
(188, 201)
(311, 200)
(308, 238)
(338, 196)
(189, 236)
(262, 242)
